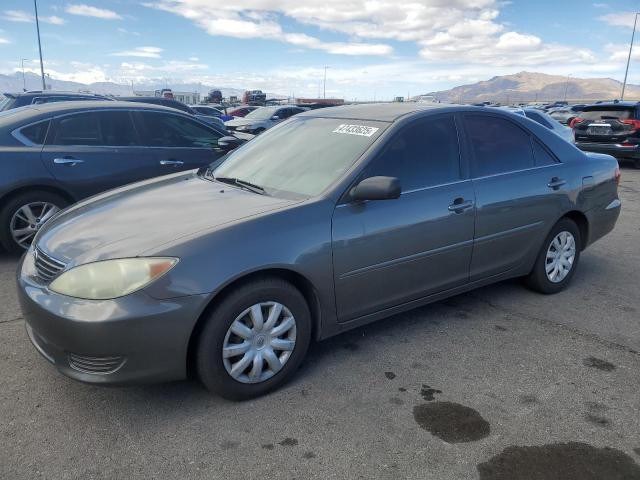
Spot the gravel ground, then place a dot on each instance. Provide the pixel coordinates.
(499, 383)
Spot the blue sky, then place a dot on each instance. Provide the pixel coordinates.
(373, 49)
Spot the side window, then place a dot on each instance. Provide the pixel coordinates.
(168, 130)
(283, 113)
(542, 156)
(36, 133)
(80, 129)
(498, 145)
(117, 129)
(536, 117)
(423, 154)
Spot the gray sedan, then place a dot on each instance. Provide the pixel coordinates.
(331, 220)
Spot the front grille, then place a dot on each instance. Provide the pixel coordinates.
(47, 267)
(95, 365)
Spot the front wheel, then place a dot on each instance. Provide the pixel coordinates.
(254, 340)
(558, 258)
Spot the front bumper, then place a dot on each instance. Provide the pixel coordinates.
(614, 149)
(132, 339)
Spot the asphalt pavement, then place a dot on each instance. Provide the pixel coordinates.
(499, 383)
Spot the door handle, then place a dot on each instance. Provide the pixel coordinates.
(71, 162)
(171, 162)
(555, 183)
(459, 205)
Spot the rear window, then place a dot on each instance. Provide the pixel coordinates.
(608, 113)
(6, 103)
(36, 133)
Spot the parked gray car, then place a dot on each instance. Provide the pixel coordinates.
(329, 221)
(54, 154)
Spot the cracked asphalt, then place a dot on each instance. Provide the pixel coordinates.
(507, 368)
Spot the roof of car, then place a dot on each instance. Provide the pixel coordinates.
(61, 107)
(384, 112)
(614, 104)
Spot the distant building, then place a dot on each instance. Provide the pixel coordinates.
(190, 98)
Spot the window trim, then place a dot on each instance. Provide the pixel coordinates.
(472, 154)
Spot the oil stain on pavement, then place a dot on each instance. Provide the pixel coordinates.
(427, 392)
(451, 422)
(598, 363)
(560, 461)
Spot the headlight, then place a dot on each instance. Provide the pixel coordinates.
(111, 278)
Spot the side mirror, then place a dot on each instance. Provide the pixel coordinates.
(229, 143)
(376, 188)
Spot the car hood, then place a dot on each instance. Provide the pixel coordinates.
(131, 220)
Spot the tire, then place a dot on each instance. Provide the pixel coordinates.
(538, 279)
(14, 205)
(212, 370)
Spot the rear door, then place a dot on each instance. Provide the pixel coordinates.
(89, 152)
(520, 190)
(388, 252)
(177, 142)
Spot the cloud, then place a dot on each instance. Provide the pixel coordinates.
(26, 17)
(145, 52)
(601, 5)
(128, 32)
(622, 19)
(89, 11)
(4, 41)
(246, 20)
(441, 29)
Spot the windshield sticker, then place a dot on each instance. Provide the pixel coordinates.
(361, 130)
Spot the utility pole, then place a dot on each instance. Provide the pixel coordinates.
(24, 79)
(566, 86)
(324, 87)
(35, 6)
(626, 72)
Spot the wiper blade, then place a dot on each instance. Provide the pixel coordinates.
(241, 183)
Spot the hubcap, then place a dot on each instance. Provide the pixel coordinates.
(560, 257)
(259, 342)
(28, 219)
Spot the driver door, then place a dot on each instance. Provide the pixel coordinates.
(389, 252)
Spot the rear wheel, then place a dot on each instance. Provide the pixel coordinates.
(254, 340)
(558, 258)
(24, 214)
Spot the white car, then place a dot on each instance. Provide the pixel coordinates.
(263, 118)
(566, 114)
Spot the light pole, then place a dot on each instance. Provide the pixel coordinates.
(566, 86)
(24, 80)
(626, 72)
(324, 83)
(35, 6)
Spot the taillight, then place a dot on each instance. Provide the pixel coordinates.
(634, 123)
(617, 176)
(573, 122)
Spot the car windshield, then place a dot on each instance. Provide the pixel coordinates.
(262, 113)
(607, 113)
(318, 151)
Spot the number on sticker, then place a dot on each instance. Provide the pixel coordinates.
(362, 130)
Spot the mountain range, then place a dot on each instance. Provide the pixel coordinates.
(532, 86)
(14, 83)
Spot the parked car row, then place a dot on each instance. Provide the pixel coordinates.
(263, 118)
(54, 154)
